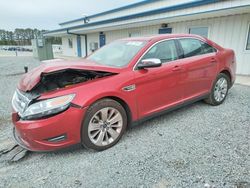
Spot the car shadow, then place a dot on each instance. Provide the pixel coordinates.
(168, 115)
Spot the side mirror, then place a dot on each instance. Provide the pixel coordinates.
(149, 63)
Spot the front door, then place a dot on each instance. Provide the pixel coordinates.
(102, 39)
(158, 88)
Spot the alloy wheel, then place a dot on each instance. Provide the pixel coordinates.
(105, 126)
(220, 89)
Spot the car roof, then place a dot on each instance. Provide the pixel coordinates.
(163, 36)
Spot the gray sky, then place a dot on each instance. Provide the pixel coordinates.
(46, 14)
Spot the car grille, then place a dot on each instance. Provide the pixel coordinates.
(20, 102)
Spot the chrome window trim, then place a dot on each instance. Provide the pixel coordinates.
(163, 40)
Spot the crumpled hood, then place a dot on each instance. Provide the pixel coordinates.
(32, 78)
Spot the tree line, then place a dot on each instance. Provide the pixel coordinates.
(23, 37)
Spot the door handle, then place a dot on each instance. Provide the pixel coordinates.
(213, 60)
(176, 68)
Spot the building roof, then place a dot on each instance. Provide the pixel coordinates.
(191, 4)
(111, 11)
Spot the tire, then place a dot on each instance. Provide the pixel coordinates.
(98, 134)
(215, 97)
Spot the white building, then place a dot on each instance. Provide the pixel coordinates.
(224, 21)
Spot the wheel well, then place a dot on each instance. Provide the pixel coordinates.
(124, 105)
(226, 72)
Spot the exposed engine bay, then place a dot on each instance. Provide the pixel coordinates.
(64, 78)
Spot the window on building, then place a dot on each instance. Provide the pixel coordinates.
(202, 31)
(248, 39)
(165, 51)
(166, 30)
(70, 42)
(192, 47)
(134, 34)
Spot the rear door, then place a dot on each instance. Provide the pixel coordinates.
(158, 88)
(199, 63)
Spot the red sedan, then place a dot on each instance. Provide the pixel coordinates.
(92, 101)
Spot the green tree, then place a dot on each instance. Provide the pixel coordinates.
(22, 36)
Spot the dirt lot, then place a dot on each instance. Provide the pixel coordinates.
(196, 146)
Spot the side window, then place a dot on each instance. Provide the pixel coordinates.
(194, 47)
(191, 47)
(207, 48)
(165, 51)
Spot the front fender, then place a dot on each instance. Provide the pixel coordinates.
(127, 97)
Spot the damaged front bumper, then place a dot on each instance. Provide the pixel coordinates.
(53, 133)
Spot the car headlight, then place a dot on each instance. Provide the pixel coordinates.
(47, 107)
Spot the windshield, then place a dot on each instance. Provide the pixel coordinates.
(117, 54)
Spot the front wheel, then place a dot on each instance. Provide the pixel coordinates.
(104, 124)
(219, 91)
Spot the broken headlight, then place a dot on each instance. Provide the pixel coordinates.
(47, 107)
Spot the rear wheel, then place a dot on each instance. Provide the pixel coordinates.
(219, 90)
(104, 124)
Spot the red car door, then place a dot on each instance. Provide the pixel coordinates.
(199, 65)
(158, 88)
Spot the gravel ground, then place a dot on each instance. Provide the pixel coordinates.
(196, 146)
